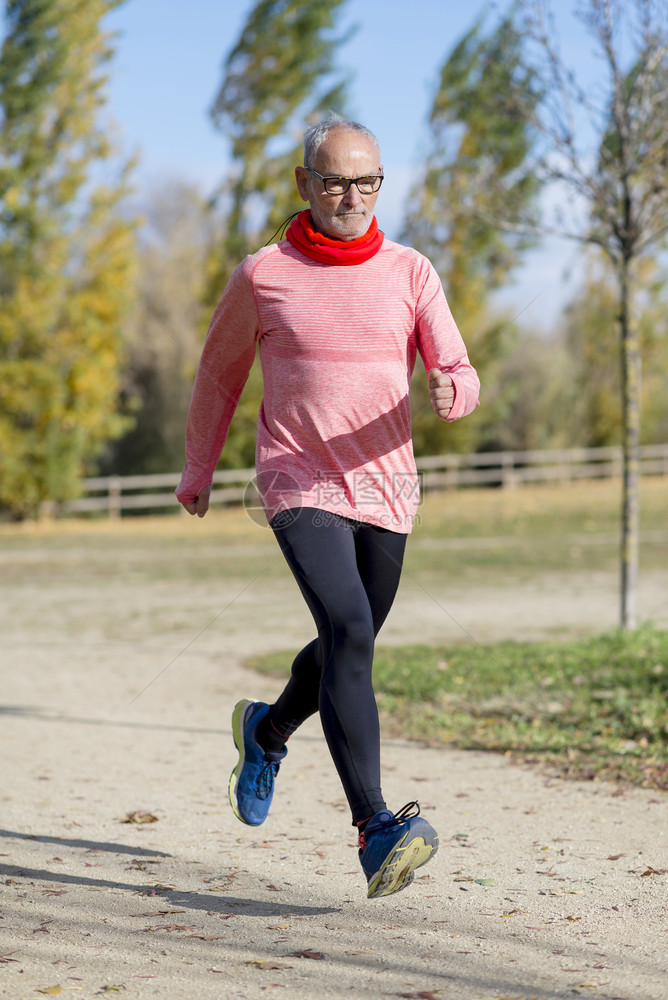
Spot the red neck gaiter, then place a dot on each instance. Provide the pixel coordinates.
(304, 237)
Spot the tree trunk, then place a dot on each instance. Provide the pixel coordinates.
(631, 383)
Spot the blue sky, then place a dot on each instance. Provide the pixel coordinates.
(168, 68)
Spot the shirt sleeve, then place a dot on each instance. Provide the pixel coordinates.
(226, 361)
(440, 343)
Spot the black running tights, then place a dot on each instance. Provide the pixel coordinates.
(348, 573)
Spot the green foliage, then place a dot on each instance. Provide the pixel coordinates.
(478, 164)
(163, 331)
(590, 707)
(530, 397)
(66, 252)
(278, 77)
(592, 333)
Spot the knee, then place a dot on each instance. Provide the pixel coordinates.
(356, 634)
(350, 645)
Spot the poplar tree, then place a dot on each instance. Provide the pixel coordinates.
(278, 77)
(478, 162)
(66, 251)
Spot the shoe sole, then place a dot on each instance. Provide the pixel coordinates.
(238, 728)
(396, 871)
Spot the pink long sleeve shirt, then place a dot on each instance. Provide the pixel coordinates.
(337, 348)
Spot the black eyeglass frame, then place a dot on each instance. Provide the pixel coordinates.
(351, 180)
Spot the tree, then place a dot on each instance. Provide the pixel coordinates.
(592, 344)
(66, 251)
(477, 165)
(604, 149)
(163, 331)
(279, 76)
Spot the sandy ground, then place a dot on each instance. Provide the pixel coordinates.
(541, 888)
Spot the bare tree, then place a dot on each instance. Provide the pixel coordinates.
(602, 145)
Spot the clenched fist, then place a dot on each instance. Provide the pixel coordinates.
(200, 504)
(441, 393)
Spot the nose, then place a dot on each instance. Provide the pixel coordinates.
(352, 196)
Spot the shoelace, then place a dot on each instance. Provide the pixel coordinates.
(405, 812)
(265, 779)
(409, 811)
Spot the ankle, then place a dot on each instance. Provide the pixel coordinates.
(268, 736)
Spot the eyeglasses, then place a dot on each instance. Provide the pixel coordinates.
(341, 185)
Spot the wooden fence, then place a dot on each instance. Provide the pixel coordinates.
(115, 495)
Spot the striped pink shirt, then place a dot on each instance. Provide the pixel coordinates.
(337, 349)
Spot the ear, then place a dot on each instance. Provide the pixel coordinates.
(302, 177)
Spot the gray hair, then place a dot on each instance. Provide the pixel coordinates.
(316, 134)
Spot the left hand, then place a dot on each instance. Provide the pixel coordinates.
(441, 393)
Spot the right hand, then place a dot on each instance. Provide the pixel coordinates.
(200, 504)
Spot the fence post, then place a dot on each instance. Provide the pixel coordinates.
(114, 498)
(508, 477)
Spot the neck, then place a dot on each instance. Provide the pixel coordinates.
(330, 250)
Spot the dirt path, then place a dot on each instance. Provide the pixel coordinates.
(541, 888)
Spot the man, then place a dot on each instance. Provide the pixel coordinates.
(339, 314)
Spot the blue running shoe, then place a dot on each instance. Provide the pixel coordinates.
(252, 780)
(392, 847)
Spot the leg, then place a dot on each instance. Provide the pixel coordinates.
(379, 557)
(348, 575)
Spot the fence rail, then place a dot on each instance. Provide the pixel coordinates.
(116, 494)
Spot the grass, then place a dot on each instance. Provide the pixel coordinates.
(540, 528)
(479, 534)
(590, 708)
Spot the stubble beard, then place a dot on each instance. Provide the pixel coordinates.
(349, 225)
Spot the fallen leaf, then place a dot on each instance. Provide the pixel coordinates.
(266, 963)
(51, 990)
(154, 890)
(307, 953)
(168, 927)
(140, 817)
(614, 857)
(654, 871)
(484, 881)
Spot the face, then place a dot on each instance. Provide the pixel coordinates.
(343, 154)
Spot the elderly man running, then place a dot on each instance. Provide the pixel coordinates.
(340, 314)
